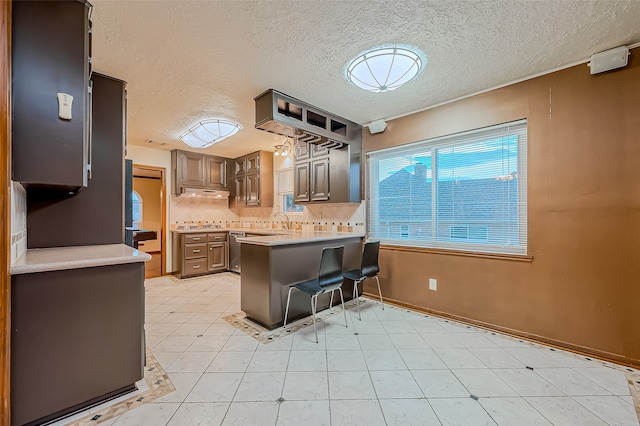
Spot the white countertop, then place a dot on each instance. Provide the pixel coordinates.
(297, 237)
(246, 230)
(61, 258)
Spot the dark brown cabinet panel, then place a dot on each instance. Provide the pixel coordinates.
(254, 180)
(192, 169)
(50, 56)
(217, 257)
(301, 182)
(320, 180)
(216, 173)
(199, 171)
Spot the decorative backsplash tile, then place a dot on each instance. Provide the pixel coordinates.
(339, 217)
(18, 221)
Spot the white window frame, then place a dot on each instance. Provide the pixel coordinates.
(400, 237)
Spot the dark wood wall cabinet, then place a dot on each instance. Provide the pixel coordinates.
(198, 171)
(94, 215)
(51, 61)
(321, 174)
(253, 180)
(200, 253)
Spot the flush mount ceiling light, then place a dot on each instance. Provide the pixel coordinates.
(210, 131)
(385, 68)
(283, 149)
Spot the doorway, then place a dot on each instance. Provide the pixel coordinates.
(149, 213)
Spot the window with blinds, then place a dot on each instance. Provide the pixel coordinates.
(466, 191)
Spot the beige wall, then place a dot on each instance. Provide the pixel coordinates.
(581, 288)
(149, 189)
(144, 156)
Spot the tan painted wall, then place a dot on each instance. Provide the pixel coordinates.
(149, 190)
(582, 287)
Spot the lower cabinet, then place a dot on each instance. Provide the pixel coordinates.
(200, 253)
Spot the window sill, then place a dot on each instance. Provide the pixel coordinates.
(497, 256)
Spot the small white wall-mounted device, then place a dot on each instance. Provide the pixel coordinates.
(609, 60)
(377, 126)
(64, 105)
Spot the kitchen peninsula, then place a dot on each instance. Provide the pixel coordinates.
(271, 263)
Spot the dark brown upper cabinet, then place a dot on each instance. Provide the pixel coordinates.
(51, 58)
(199, 171)
(253, 180)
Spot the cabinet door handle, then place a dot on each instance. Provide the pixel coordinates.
(196, 267)
(197, 251)
(210, 248)
(196, 239)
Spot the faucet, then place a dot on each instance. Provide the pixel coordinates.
(288, 224)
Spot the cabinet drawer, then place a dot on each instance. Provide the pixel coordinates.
(195, 266)
(192, 251)
(195, 238)
(220, 236)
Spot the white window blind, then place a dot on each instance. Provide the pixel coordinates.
(466, 191)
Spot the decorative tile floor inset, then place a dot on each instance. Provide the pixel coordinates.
(240, 321)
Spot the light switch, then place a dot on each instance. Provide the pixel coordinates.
(64, 105)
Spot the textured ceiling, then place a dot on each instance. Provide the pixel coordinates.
(189, 60)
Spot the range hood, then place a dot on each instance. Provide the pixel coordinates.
(201, 192)
(287, 116)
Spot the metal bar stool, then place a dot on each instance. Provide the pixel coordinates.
(369, 268)
(329, 279)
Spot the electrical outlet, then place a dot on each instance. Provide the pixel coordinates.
(433, 284)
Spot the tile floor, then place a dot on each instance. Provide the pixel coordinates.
(394, 367)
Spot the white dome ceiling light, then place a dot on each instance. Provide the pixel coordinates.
(210, 131)
(385, 68)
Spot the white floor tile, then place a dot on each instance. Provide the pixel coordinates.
(563, 411)
(368, 327)
(268, 361)
(265, 386)
(459, 358)
(200, 414)
(219, 329)
(536, 357)
(612, 380)
(183, 383)
(208, 344)
(442, 340)
(161, 329)
(305, 386)
(426, 325)
(408, 341)
(307, 342)
(215, 387)
(570, 382)
(610, 409)
(513, 412)
(483, 383)
(230, 362)
(474, 340)
(375, 341)
(384, 360)
(338, 342)
(177, 317)
(175, 344)
(409, 412)
(307, 361)
(148, 414)
(350, 385)
(527, 382)
(399, 327)
(346, 361)
(356, 413)
(166, 358)
(191, 362)
(251, 414)
(421, 359)
(460, 412)
(496, 358)
(440, 384)
(395, 384)
(307, 413)
(240, 343)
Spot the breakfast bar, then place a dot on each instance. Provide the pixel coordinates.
(271, 263)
